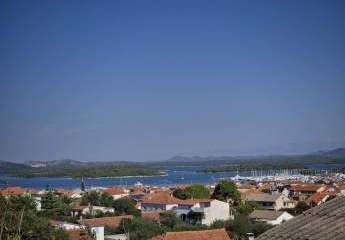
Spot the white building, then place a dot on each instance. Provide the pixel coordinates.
(203, 211)
(78, 210)
(270, 201)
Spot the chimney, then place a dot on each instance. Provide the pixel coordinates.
(250, 236)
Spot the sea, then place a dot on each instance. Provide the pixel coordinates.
(170, 177)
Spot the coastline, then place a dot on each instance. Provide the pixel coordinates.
(132, 176)
(69, 177)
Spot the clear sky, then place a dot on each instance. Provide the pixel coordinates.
(147, 80)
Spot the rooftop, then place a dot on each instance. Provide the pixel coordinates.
(113, 222)
(114, 191)
(306, 187)
(12, 191)
(265, 214)
(324, 222)
(160, 198)
(262, 197)
(214, 234)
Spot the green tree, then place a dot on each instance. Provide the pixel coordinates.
(241, 225)
(17, 202)
(59, 234)
(125, 206)
(106, 200)
(227, 191)
(218, 224)
(92, 197)
(49, 200)
(198, 191)
(19, 221)
(259, 227)
(169, 219)
(140, 229)
(181, 194)
(56, 207)
(247, 207)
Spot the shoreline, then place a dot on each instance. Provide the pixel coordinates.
(132, 176)
(69, 177)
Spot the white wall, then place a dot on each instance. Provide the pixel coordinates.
(99, 232)
(218, 210)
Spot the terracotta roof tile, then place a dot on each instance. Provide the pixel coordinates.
(113, 222)
(12, 191)
(114, 191)
(306, 187)
(214, 234)
(155, 216)
(78, 235)
(317, 197)
(160, 197)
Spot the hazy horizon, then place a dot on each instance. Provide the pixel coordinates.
(188, 155)
(149, 80)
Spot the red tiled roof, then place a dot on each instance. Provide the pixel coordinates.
(194, 201)
(113, 222)
(160, 198)
(114, 191)
(305, 187)
(167, 198)
(68, 193)
(214, 234)
(78, 235)
(12, 191)
(137, 189)
(317, 197)
(155, 216)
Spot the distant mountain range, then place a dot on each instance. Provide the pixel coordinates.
(335, 153)
(70, 167)
(338, 153)
(73, 168)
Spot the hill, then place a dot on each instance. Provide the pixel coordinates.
(73, 168)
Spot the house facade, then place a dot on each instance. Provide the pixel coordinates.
(270, 201)
(203, 211)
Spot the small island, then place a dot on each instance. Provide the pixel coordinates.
(76, 169)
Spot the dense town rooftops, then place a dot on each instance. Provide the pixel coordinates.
(307, 187)
(324, 222)
(12, 191)
(318, 197)
(214, 234)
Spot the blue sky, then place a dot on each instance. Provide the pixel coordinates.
(147, 80)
